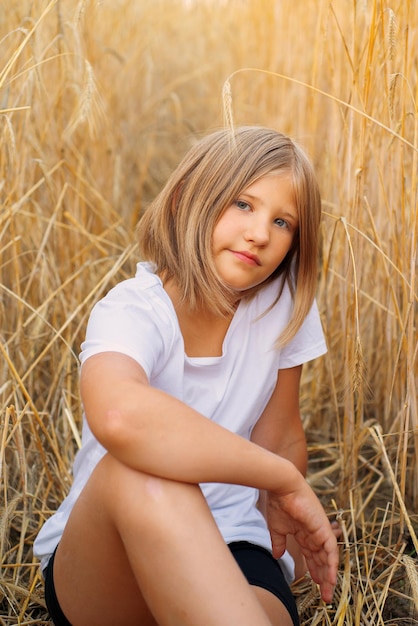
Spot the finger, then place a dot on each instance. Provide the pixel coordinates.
(327, 592)
(336, 529)
(324, 573)
(278, 543)
(325, 581)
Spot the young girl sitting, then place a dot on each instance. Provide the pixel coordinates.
(189, 504)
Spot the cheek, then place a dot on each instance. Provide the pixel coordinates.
(221, 231)
(282, 250)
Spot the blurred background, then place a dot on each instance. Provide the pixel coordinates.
(99, 100)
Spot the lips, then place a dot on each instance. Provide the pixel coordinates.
(246, 257)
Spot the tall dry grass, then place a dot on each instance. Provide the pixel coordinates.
(98, 101)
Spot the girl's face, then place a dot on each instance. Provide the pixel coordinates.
(254, 234)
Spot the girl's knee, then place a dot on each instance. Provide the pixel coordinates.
(146, 498)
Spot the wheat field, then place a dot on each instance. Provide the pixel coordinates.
(98, 102)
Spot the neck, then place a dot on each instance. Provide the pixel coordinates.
(201, 309)
(203, 330)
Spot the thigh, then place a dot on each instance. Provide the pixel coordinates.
(93, 579)
(274, 608)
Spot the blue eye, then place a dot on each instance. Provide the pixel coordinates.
(241, 204)
(281, 223)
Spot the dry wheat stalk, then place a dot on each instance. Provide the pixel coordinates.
(73, 181)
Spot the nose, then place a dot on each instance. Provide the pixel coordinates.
(258, 231)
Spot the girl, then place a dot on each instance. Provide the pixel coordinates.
(189, 485)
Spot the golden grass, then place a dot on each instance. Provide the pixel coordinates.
(98, 101)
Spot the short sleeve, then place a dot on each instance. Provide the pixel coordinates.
(133, 321)
(308, 343)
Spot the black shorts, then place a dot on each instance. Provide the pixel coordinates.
(260, 568)
(54, 609)
(256, 563)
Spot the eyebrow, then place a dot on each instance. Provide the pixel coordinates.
(290, 215)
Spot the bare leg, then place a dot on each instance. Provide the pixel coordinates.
(276, 611)
(143, 550)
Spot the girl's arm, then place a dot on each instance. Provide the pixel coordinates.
(154, 432)
(280, 430)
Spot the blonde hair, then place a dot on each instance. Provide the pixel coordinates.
(175, 232)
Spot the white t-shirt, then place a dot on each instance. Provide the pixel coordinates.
(137, 318)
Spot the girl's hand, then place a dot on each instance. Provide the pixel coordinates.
(299, 513)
